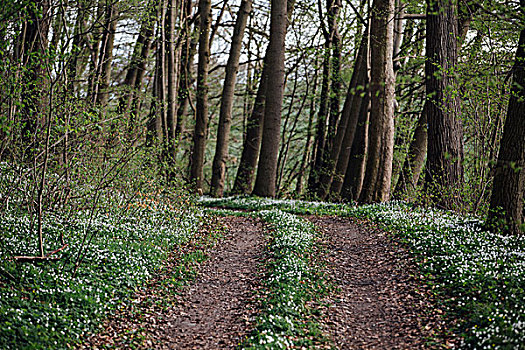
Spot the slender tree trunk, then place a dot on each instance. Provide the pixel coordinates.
(506, 202)
(355, 171)
(135, 73)
(157, 117)
(327, 165)
(35, 76)
(189, 48)
(201, 124)
(320, 137)
(106, 56)
(376, 187)
(225, 117)
(344, 137)
(79, 46)
(444, 177)
(172, 57)
(252, 141)
(265, 181)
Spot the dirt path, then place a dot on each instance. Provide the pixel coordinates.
(378, 304)
(216, 311)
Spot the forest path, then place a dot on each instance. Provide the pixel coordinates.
(378, 304)
(217, 309)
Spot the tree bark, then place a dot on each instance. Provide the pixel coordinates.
(189, 48)
(254, 127)
(157, 117)
(321, 126)
(344, 137)
(376, 186)
(506, 202)
(201, 123)
(265, 181)
(444, 175)
(225, 116)
(172, 57)
(35, 78)
(355, 171)
(106, 57)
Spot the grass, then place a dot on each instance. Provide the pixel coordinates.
(478, 276)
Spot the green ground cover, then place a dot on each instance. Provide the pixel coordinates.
(53, 304)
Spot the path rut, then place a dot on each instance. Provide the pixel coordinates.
(378, 303)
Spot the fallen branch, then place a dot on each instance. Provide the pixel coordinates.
(47, 257)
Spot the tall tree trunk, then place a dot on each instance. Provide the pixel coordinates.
(79, 46)
(133, 80)
(254, 127)
(157, 117)
(201, 123)
(225, 117)
(355, 171)
(344, 137)
(172, 57)
(106, 56)
(252, 141)
(444, 175)
(189, 48)
(320, 136)
(506, 202)
(35, 77)
(265, 181)
(376, 187)
(327, 165)
(416, 155)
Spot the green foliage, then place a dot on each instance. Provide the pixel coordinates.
(292, 280)
(54, 303)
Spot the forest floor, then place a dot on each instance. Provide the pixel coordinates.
(377, 301)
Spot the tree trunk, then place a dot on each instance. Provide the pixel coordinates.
(133, 80)
(327, 165)
(79, 45)
(35, 77)
(172, 57)
(344, 137)
(188, 52)
(506, 202)
(320, 136)
(376, 186)
(254, 127)
(225, 117)
(106, 57)
(355, 171)
(444, 175)
(157, 117)
(201, 123)
(267, 169)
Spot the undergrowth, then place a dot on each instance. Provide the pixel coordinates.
(110, 254)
